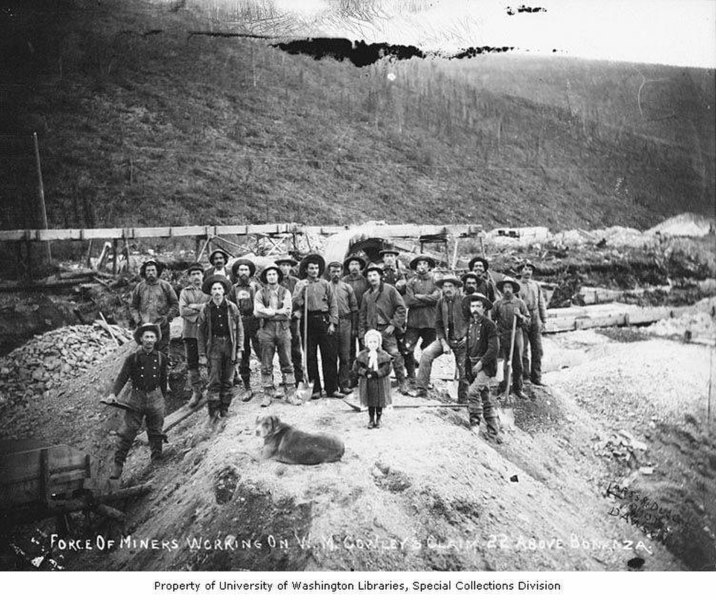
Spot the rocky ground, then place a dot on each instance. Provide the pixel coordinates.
(423, 492)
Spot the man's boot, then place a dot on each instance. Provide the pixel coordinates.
(116, 470)
(195, 399)
(290, 396)
(474, 421)
(403, 386)
(267, 397)
(248, 393)
(278, 393)
(493, 430)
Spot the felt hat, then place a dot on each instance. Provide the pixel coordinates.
(312, 258)
(218, 251)
(286, 258)
(485, 300)
(148, 263)
(153, 327)
(374, 267)
(527, 263)
(360, 259)
(194, 267)
(476, 259)
(448, 278)
(271, 267)
(243, 261)
(211, 280)
(334, 263)
(515, 284)
(472, 274)
(429, 259)
(389, 250)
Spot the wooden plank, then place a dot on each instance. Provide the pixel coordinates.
(172, 420)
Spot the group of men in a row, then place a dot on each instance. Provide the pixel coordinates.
(228, 311)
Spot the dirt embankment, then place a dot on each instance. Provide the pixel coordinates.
(423, 492)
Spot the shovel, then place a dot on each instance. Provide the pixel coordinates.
(505, 412)
(304, 390)
(360, 408)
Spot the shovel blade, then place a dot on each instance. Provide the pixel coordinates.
(506, 414)
(304, 391)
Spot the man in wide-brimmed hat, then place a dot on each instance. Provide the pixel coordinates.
(242, 294)
(421, 298)
(273, 307)
(486, 283)
(191, 299)
(316, 295)
(286, 263)
(347, 329)
(482, 348)
(383, 309)
(392, 273)
(451, 331)
(221, 340)
(355, 264)
(154, 300)
(532, 295)
(218, 260)
(147, 370)
(503, 313)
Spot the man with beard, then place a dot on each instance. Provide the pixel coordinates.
(355, 265)
(392, 274)
(221, 340)
(421, 298)
(273, 306)
(482, 348)
(531, 294)
(286, 264)
(218, 259)
(191, 299)
(242, 294)
(316, 295)
(147, 370)
(451, 329)
(502, 313)
(383, 309)
(347, 324)
(154, 301)
(486, 283)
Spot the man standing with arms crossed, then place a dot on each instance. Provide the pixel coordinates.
(191, 299)
(154, 301)
(531, 294)
(503, 313)
(347, 329)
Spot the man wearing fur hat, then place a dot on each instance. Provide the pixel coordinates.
(191, 299)
(485, 282)
(451, 331)
(242, 294)
(272, 305)
(383, 309)
(286, 264)
(218, 259)
(147, 370)
(316, 295)
(421, 298)
(503, 312)
(347, 325)
(532, 295)
(154, 301)
(221, 340)
(482, 348)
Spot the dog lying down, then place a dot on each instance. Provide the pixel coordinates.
(289, 445)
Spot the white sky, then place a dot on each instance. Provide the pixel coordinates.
(677, 32)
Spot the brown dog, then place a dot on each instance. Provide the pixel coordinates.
(288, 445)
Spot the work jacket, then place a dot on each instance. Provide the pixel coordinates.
(421, 298)
(191, 295)
(503, 312)
(380, 308)
(152, 302)
(483, 344)
(460, 320)
(236, 329)
(531, 293)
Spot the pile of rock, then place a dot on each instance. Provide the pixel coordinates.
(50, 359)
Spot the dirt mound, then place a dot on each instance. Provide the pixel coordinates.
(686, 224)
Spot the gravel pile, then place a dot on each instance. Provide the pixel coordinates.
(48, 360)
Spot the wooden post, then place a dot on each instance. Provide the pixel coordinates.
(114, 257)
(41, 215)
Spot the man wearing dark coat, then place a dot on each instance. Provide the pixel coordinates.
(503, 313)
(482, 348)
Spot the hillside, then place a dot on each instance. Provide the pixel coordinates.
(141, 123)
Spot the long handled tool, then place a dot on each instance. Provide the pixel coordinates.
(361, 408)
(304, 390)
(505, 410)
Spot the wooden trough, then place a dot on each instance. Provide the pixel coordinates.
(39, 480)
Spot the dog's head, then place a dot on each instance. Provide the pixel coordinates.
(265, 426)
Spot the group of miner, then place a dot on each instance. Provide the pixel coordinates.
(365, 320)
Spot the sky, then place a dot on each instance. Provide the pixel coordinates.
(675, 32)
